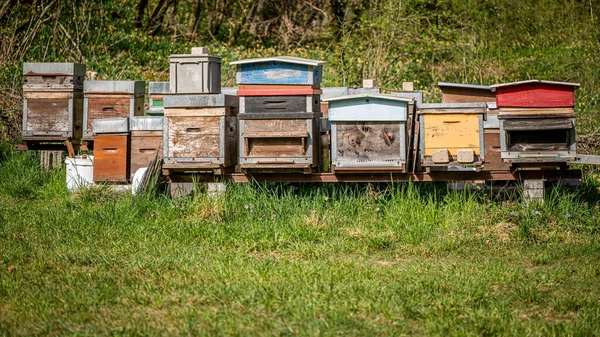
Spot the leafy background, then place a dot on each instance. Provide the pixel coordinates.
(425, 41)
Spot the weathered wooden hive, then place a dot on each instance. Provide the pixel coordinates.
(146, 141)
(451, 134)
(369, 132)
(200, 132)
(279, 114)
(473, 93)
(465, 93)
(156, 91)
(111, 99)
(53, 101)
(195, 73)
(111, 150)
(536, 121)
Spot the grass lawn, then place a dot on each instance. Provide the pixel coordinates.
(295, 260)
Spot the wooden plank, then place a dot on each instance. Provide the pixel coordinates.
(279, 115)
(537, 111)
(276, 134)
(267, 87)
(537, 124)
(198, 112)
(51, 94)
(279, 104)
(364, 142)
(279, 92)
(539, 95)
(111, 162)
(452, 132)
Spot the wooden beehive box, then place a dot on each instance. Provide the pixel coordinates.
(491, 139)
(194, 73)
(451, 134)
(146, 141)
(111, 150)
(111, 99)
(279, 144)
(53, 101)
(536, 121)
(369, 132)
(465, 93)
(279, 70)
(156, 91)
(200, 131)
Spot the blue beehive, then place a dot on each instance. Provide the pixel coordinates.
(279, 70)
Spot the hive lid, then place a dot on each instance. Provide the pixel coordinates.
(200, 53)
(569, 84)
(284, 59)
(110, 125)
(463, 86)
(108, 87)
(200, 100)
(52, 68)
(370, 95)
(159, 87)
(453, 105)
(147, 123)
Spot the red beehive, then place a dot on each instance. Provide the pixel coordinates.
(535, 94)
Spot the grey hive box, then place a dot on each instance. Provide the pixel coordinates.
(369, 132)
(53, 101)
(111, 99)
(198, 72)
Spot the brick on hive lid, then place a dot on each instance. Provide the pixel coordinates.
(407, 86)
(369, 83)
(199, 50)
(465, 156)
(440, 156)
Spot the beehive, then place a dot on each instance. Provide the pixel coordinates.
(53, 101)
(280, 110)
(195, 73)
(451, 134)
(111, 99)
(146, 141)
(200, 131)
(111, 150)
(536, 121)
(369, 132)
(156, 91)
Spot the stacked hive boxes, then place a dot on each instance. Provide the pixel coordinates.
(472, 93)
(111, 99)
(279, 114)
(537, 121)
(111, 150)
(369, 132)
(53, 101)
(156, 91)
(451, 134)
(200, 131)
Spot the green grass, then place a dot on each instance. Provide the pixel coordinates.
(273, 259)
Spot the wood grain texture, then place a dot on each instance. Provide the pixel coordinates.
(48, 115)
(535, 95)
(364, 142)
(452, 132)
(103, 107)
(145, 146)
(467, 95)
(493, 160)
(198, 112)
(288, 138)
(111, 159)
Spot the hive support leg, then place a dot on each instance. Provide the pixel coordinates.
(51, 159)
(533, 190)
(216, 190)
(180, 190)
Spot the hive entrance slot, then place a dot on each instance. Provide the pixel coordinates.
(533, 140)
